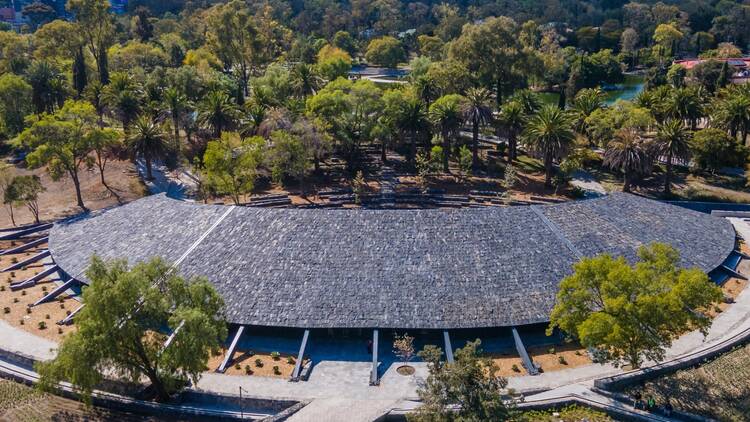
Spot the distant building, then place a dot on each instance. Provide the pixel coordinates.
(740, 66)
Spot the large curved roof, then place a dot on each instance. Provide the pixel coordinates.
(324, 268)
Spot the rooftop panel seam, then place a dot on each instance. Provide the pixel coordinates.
(556, 231)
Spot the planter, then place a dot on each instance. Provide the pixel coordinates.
(405, 370)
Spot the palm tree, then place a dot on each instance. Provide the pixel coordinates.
(672, 142)
(147, 139)
(732, 112)
(426, 89)
(305, 80)
(175, 104)
(412, 119)
(529, 101)
(476, 110)
(217, 111)
(687, 104)
(586, 102)
(550, 133)
(512, 118)
(123, 97)
(629, 153)
(445, 114)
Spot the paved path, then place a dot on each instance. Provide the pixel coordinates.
(179, 184)
(388, 183)
(24, 343)
(588, 183)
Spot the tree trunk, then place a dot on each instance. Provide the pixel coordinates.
(446, 151)
(548, 170)
(77, 185)
(149, 175)
(627, 183)
(668, 177)
(499, 88)
(176, 135)
(475, 145)
(12, 217)
(382, 151)
(316, 163)
(413, 148)
(512, 146)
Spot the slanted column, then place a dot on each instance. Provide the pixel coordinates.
(300, 357)
(448, 347)
(230, 351)
(374, 373)
(527, 362)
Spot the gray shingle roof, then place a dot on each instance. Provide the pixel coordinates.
(320, 268)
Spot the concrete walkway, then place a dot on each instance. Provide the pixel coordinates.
(22, 342)
(179, 184)
(588, 183)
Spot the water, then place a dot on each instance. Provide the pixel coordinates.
(627, 90)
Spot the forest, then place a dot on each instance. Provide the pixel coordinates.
(253, 96)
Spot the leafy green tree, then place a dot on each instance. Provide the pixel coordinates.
(633, 312)
(148, 140)
(119, 331)
(731, 111)
(96, 25)
(713, 149)
(305, 80)
(345, 41)
(477, 111)
(630, 154)
(672, 143)
(467, 390)
(512, 119)
(490, 50)
(385, 51)
(333, 62)
(106, 144)
(15, 103)
(550, 133)
(445, 114)
(25, 190)
(443, 78)
(314, 138)
(431, 46)
(687, 104)
(38, 13)
(464, 160)
(62, 142)
(676, 75)
(406, 112)
(586, 101)
(287, 157)
(665, 36)
(231, 164)
(709, 73)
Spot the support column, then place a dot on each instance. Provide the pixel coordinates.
(25, 246)
(448, 347)
(230, 351)
(527, 363)
(35, 279)
(374, 373)
(56, 292)
(27, 261)
(300, 357)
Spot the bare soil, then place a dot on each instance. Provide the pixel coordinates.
(573, 356)
(59, 199)
(242, 361)
(505, 362)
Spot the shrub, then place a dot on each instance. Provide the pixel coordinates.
(275, 355)
(250, 353)
(6, 310)
(59, 330)
(551, 350)
(67, 313)
(42, 325)
(578, 353)
(276, 370)
(290, 360)
(28, 310)
(248, 370)
(23, 292)
(20, 322)
(46, 316)
(515, 368)
(62, 306)
(2, 288)
(258, 363)
(15, 300)
(44, 288)
(14, 260)
(237, 366)
(562, 360)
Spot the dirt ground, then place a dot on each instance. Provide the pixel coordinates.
(573, 356)
(59, 199)
(505, 362)
(249, 358)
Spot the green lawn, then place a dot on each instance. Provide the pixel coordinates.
(572, 413)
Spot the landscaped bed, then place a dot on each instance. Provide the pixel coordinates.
(572, 413)
(509, 364)
(555, 358)
(256, 363)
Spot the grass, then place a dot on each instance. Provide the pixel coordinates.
(529, 164)
(568, 413)
(719, 389)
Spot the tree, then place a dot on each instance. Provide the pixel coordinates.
(147, 139)
(408, 114)
(333, 62)
(632, 312)
(314, 138)
(287, 156)
(62, 142)
(305, 80)
(666, 35)
(672, 143)
(175, 104)
(25, 190)
(477, 111)
(586, 101)
(48, 86)
(141, 23)
(231, 164)
(385, 51)
(512, 118)
(6, 177)
(38, 13)
(15, 103)
(713, 149)
(117, 329)
(550, 133)
(445, 114)
(96, 25)
(123, 97)
(628, 44)
(403, 347)
(106, 143)
(630, 154)
(467, 390)
(344, 41)
(218, 112)
(490, 50)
